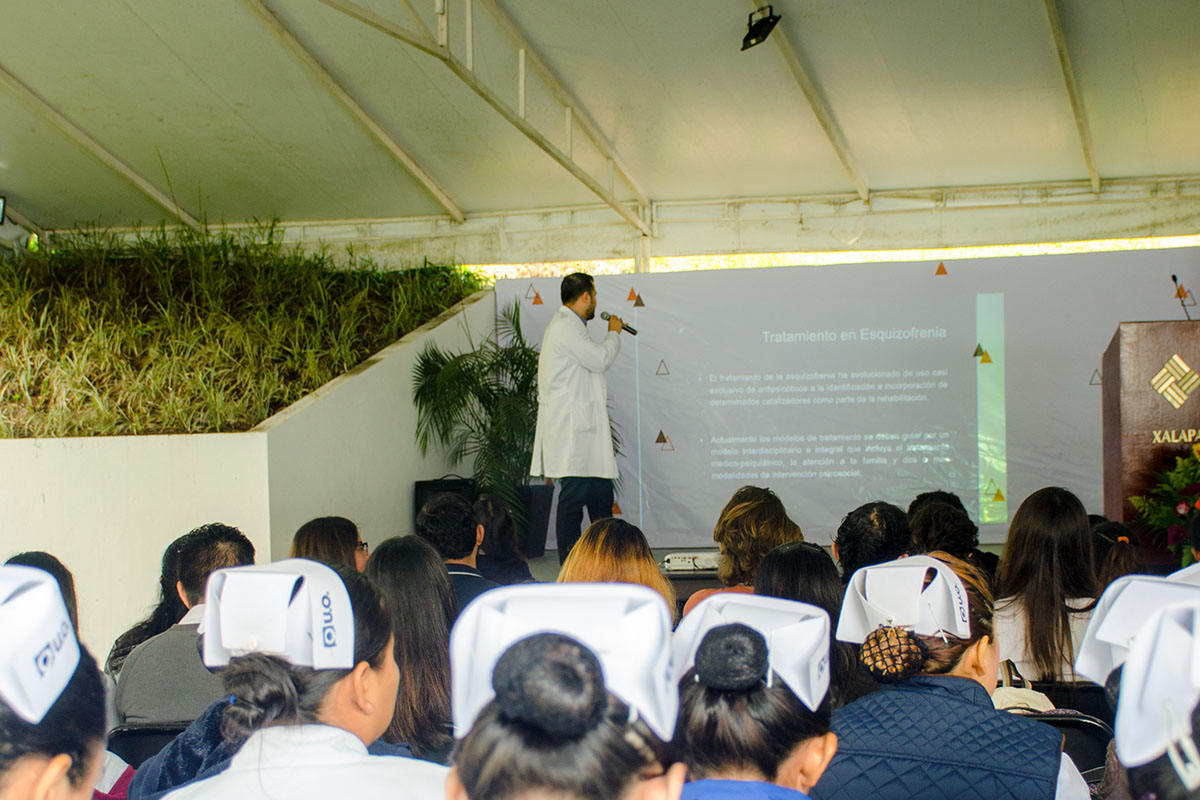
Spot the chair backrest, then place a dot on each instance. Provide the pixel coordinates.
(1086, 698)
(136, 743)
(1085, 740)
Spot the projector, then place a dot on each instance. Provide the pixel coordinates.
(705, 560)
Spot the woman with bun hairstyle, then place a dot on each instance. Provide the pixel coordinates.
(753, 718)
(926, 628)
(306, 651)
(52, 724)
(1046, 585)
(564, 692)
(613, 551)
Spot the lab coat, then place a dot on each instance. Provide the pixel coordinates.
(573, 438)
(321, 762)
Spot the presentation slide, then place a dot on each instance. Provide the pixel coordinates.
(835, 386)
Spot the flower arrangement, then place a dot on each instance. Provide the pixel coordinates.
(1171, 504)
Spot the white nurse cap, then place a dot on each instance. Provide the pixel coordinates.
(894, 594)
(38, 651)
(297, 609)
(626, 627)
(797, 637)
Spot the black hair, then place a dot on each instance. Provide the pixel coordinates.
(1117, 554)
(499, 531)
(940, 526)
(729, 719)
(1194, 533)
(937, 496)
(269, 690)
(207, 549)
(873, 533)
(332, 540)
(554, 727)
(447, 522)
(574, 285)
(75, 725)
(803, 571)
(420, 600)
(58, 570)
(170, 610)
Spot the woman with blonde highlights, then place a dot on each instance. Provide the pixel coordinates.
(613, 551)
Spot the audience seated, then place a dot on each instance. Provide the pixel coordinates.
(1117, 553)
(164, 680)
(752, 524)
(613, 551)
(418, 596)
(447, 522)
(926, 629)
(987, 562)
(805, 572)
(499, 559)
(1046, 585)
(580, 715)
(753, 717)
(169, 610)
(52, 722)
(871, 534)
(48, 563)
(306, 651)
(332, 540)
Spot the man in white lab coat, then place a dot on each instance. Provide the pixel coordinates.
(573, 442)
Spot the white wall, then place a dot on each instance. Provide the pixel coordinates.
(109, 506)
(349, 448)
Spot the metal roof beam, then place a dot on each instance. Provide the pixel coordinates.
(468, 77)
(88, 143)
(816, 102)
(355, 108)
(563, 95)
(20, 219)
(1068, 71)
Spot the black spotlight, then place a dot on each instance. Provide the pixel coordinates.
(757, 30)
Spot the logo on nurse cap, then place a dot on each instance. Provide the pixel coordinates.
(328, 631)
(38, 653)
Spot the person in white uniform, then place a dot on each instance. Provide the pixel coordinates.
(52, 720)
(573, 442)
(564, 691)
(307, 656)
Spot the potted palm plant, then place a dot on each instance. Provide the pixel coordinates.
(482, 405)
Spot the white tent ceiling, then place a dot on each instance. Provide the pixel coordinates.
(119, 112)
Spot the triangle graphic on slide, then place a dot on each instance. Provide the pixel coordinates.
(999, 497)
(978, 351)
(616, 510)
(985, 359)
(941, 270)
(537, 299)
(991, 487)
(1191, 299)
(661, 439)
(530, 293)
(638, 303)
(1096, 378)
(1181, 293)
(632, 295)
(668, 445)
(662, 369)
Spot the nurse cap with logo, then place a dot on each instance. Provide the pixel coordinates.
(888, 606)
(38, 651)
(296, 609)
(795, 638)
(626, 629)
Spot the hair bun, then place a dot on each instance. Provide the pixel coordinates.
(892, 655)
(551, 682)
(731, 658)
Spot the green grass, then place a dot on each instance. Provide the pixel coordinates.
(180, 332)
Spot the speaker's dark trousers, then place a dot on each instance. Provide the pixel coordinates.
(573, 495)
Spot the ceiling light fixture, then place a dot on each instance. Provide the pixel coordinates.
(757, 30)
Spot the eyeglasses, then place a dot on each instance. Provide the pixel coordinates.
(361, 546)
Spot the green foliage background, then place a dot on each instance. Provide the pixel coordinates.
(1159, 508)
(183, 332)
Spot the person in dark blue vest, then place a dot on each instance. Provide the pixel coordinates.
(925, 625)
(753, 706)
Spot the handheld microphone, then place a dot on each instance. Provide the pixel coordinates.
(1183, 305)
(604, 315)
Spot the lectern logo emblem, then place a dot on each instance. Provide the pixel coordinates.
(1175, 381)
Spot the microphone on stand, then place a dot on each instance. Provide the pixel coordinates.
(604, 315)
(1183, 305)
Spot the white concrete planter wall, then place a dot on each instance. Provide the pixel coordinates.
(108, 506)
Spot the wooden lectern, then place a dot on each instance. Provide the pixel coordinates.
(1151, 406)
